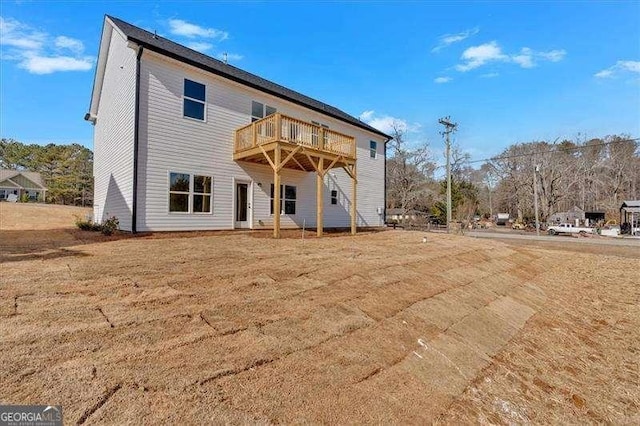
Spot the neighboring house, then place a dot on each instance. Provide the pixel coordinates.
(20, 182)
(183, 141)
(570, 216)
(577, 214)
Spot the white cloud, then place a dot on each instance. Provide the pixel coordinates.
(189, 30)
(387, 123)
(441, 80)
(553, 55)
(15, 34)
(524, 59)
(477, 56)
(200, 38)
(40, 53)
(47, 65)
(69, 43)
(449, 39)
(200, 46)
(619, 67)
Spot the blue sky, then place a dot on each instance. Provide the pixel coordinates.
(506, 72)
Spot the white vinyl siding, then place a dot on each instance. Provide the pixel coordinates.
(206, 148)
(113, 134)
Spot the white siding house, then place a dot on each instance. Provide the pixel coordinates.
(166, 133)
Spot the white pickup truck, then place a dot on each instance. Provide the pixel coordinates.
(569, 228)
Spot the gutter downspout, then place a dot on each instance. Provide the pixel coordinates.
(384, 207)
(136, 140)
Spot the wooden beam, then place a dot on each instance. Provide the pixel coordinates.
(299, 165)
(273, 166)
(354, 196)
(319, 197)
(351, 171)
(333, 163)
(313, 163)
(276, 194)
(289, 157)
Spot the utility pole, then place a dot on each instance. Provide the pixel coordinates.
(449, 128)
(536, 169)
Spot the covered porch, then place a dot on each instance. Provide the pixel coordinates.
(280, 142)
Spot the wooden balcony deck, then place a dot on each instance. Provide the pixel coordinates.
(281, 142)
(300, 140)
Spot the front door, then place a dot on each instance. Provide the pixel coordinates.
(242, 205)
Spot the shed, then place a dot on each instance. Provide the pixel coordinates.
(630, 216)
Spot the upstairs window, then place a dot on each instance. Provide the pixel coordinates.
(194, 100)
(373, 149)
(260, 110)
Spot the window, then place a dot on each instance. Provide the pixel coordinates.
(334, 197)
(187, 190)
(373, 148)
(179, 192)
(194, 100)
(288, 198)
(259, 110)
(201, 194)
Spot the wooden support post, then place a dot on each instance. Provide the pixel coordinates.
(319, 196)
(354, 211)
(276, 193)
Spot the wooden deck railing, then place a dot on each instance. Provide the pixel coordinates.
(279, 127)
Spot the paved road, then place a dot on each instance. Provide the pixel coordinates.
(627, 241)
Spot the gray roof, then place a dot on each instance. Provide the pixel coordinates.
(184, 54)
(631, 203)
(32, 176)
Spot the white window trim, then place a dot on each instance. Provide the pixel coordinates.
(191, 193)
(204, 120)
(375, 151)
(282, 199)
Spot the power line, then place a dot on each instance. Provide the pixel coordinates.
(557, 149)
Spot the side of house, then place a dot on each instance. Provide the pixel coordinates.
(184, 169)
(113, 114)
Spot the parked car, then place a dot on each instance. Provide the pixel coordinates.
(569, 228)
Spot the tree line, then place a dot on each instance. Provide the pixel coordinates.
(67, 170)
(594, 175)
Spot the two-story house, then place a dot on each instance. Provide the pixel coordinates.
(183, 141)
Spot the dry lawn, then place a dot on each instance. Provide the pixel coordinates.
(378, 328)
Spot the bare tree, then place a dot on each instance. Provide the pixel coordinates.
(409, 172)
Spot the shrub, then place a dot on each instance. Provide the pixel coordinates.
(87, 224)
(110, 225)
(24, 198)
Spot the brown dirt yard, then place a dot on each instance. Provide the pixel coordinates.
(377, 328)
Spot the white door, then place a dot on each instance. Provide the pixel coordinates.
(242, 205)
